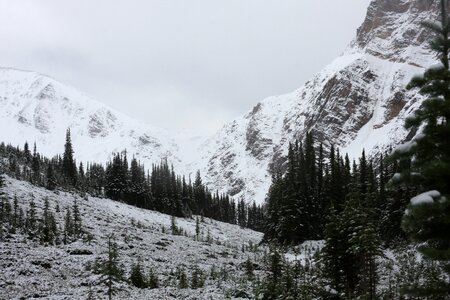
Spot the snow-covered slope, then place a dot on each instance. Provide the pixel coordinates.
(37, 108)
(356, 102)
(30, 270)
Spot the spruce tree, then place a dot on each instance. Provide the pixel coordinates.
(35, 166)
(51, 179)
(68, 227)
(77, 226)
(69, 167)
(427, 219)
(110, 268)
(152, 280)
(137, 277)
(31, 219)
(15, 217)
(27, 153)
(48, 225)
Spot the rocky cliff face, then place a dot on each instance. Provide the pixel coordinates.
(357, 102)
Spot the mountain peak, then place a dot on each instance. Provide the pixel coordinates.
(392, 30)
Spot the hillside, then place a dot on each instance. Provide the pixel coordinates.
(30, 270)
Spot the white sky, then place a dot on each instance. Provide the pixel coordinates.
(192, 64)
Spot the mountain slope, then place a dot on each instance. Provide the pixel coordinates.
(32, 270)
(357, 102)
(37, 108)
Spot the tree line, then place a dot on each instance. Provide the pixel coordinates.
(159, 189)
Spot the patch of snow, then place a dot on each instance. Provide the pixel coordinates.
(425, 198)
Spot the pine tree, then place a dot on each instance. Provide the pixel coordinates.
(427, 219)
(68, 227)
(137, 277)
(273, 208)
(51, 179)
(334, 254)
(69, 167)
(31, 219)
(197, 280)
(152, 281)
(15, 217)
(48, 229)
(183, 283)
(5, 215)
(27, 153)
(272, 284)
(197, 228)
(77, 226)
(35, 166)
(249, 269)
(111, 269)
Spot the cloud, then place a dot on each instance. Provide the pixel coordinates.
(198, 63)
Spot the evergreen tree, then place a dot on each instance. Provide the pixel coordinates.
(51, 179)
(77, 227)
(272, 284)
(273, 208)
(242, 213)
(69, 167)
(427, 219)
(5, 215)
(197, 228)
(183, 283)
(110, 268)
(31, 219)
(48, 229)
(68, 227)
(35, 166)
(15, 217)
(137, 277)
(27, 153)
(197, 280)
(152, 281)
(116, 178)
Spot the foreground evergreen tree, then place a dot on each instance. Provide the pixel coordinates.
(427, 219)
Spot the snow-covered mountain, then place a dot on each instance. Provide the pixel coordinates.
(356, 102)
(37, 108)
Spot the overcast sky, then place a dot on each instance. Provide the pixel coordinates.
(192, 64)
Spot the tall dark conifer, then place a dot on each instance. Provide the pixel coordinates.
(69, 167)
(427, 219)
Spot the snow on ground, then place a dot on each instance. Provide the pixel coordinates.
(30, 270)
